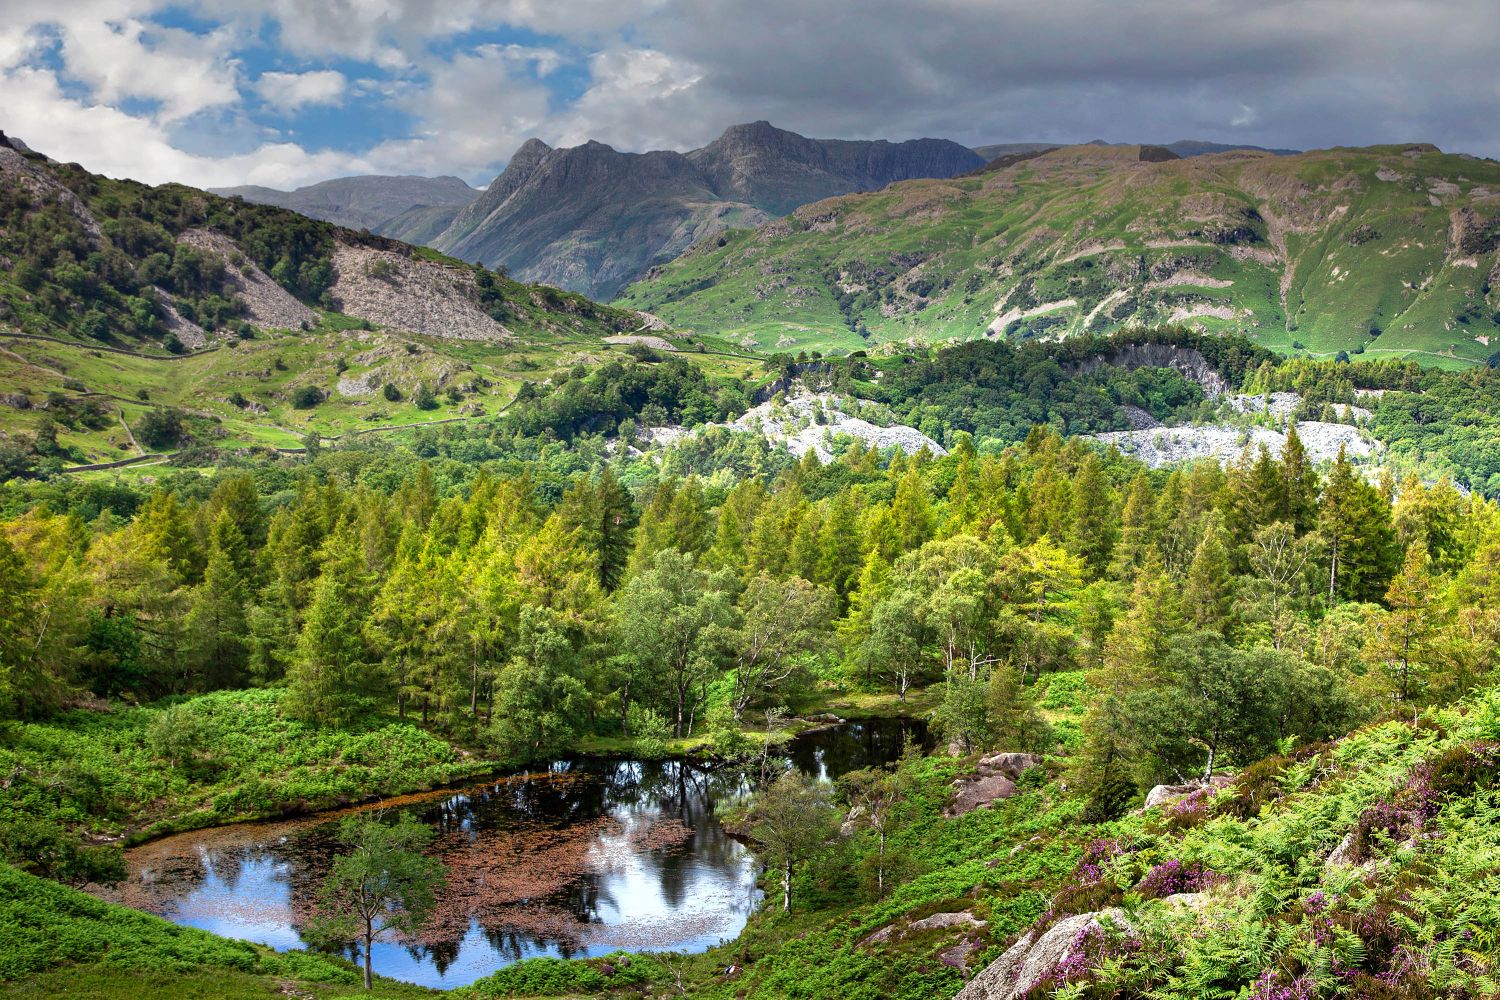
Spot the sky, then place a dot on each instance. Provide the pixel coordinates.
(289, 92)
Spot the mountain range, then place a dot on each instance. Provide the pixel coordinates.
(1386, 249)
(590, 218)
(407, 208)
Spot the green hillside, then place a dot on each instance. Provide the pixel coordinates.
(141, 320)
(1389, 250)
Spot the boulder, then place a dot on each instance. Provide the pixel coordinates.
(1034, 957)
(1163, 795)
(994, 778)
(1009, 764)
(938, 921)
(978, 792)
(957, 957)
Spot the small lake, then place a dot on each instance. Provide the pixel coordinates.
(574, 860)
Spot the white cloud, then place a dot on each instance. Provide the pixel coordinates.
(184, 73)
(674, 73)
(111, 142)
(638, 99)
(289, 92)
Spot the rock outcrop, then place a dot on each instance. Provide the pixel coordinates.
(1163, 795)
(1163, 446)
(1035, 956)
(795, 425)
(994, 779)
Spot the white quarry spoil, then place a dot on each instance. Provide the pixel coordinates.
(793, 424)
(1168, 445)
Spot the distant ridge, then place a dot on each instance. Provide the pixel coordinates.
(407, 208)
(592, 219)
(1182, 147)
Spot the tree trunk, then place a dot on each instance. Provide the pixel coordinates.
(786, 887)
(369, 949)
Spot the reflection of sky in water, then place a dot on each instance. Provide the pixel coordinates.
(617, 890)
(686, 896)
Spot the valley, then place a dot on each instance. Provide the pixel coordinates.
(1073, 579)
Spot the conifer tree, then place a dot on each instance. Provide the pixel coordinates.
(217, 622)
(1208, 590)
(1093, 521)
(1299, 483)
(331, 679)
(1403, 638)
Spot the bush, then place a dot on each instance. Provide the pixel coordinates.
(161, 428)
(425, 399)
(305, 397)
(391, 393)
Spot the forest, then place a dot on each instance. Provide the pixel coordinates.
(519, 590)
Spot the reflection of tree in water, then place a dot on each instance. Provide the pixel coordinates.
(539, 861)
(834, 752)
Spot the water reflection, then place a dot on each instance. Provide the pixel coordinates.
(579, 859)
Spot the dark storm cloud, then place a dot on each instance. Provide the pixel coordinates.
(1280, 73)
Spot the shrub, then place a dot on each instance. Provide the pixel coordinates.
(425, 399)
(305, 397)
(391, 393)
(161, 427)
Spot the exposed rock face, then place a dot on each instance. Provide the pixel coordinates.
(268, 304)
(994, 779)
(591, 218)
(776, 170)
(938, 921)
(1189, 363)
(1168, 445)
(409, 294)
(1034, 957)
(794, 425)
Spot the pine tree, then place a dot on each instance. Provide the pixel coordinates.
(1138, 528)
(911, 511)
(217, 624)
(1356, 523)
(1403, 638)
(1299, 485)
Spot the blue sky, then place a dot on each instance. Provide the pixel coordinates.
(287, 92)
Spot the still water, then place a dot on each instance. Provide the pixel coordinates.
(575, 860)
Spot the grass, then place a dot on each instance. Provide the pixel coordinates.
(1051, 245)
(60, 942)
(266, 370)
(95, 773)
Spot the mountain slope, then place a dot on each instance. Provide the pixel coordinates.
(1390, 250)
(253, 325)
(402, 208)
(1182, 147)
(591, 218)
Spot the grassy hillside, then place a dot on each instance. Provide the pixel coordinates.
(252, 325)
(1389, 250)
